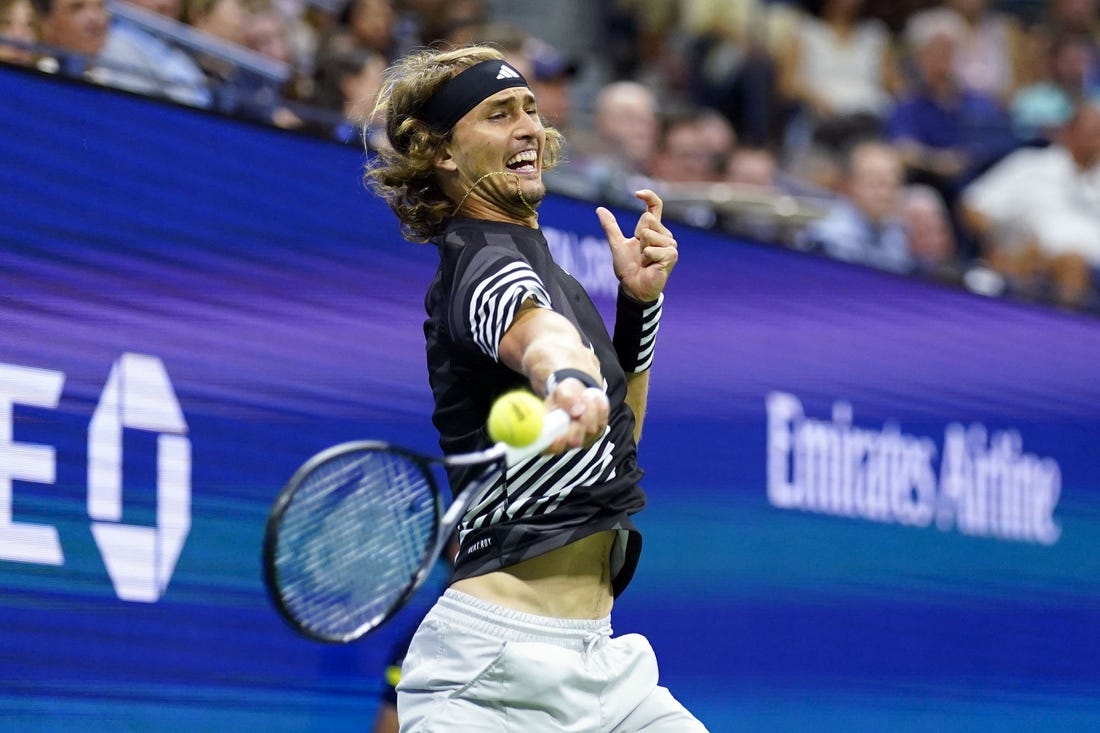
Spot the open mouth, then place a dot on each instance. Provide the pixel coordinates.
(523, 162)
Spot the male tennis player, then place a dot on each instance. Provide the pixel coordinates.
(521, 641)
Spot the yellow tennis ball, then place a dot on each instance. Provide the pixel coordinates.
(516, 418)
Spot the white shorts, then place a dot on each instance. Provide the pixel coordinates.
(475, 667)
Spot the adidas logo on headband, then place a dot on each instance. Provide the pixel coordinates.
(462, 92)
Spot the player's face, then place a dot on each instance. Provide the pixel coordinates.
(495, 157)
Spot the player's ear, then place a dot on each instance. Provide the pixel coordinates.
(443, 159)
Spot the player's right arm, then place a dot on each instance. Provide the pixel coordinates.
(540, 342)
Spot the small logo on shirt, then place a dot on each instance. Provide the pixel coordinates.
(479, 546)
(507, 72)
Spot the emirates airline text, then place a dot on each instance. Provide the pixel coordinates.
(985, 485)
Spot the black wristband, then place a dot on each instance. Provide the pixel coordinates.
(636, 325)
(561, 375)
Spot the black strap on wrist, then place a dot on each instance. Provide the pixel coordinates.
(561, 375)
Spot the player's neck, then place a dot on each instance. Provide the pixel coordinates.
(477, 209)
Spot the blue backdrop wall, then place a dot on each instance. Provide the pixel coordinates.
(874, 503)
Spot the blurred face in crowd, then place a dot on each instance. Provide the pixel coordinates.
(76, 25)
(928, 230)
(626, 116)
(266, 33)
(682, 158)
(225, 19)
(937, 61)
(874, 180)
(717, 138)
(372, 23)
(1071, 61)
(18, 23)
(751, 167)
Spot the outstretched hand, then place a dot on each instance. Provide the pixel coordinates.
(642, 262)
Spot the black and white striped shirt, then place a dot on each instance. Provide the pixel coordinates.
(487, 271)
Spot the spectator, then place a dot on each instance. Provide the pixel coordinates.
(683, 155)
(989, 45)
(627, 135)
(840, 69)
(367, 24)
(1073, 16)
(862, 225)
(20, 34)
(626, 120)
(552, 76)
(946, 133)
(754, 173)
(929, 234)
(148, 63)
(347, 84)
(1036, 213)
(752, 166)
(76, 30)
(717, 138)
(268, 32)
(682, 158)
(224, 19)
(237, 90)
(307, 21)
(1040, 109)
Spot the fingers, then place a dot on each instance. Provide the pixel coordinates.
(658, 246)
(610, 227)
(665, 255)
(649, 222)
(588, 409)
(653, 203)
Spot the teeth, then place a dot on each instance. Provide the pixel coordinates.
(527, 156)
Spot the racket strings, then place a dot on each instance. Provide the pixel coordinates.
(353, 539)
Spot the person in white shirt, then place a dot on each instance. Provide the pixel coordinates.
(1036, 213)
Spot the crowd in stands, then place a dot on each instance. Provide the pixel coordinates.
(956, 139)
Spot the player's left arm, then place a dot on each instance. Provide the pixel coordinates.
(642, 264)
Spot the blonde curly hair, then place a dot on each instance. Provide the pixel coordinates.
(403, 173)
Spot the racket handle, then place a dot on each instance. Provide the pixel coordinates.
(554, 426)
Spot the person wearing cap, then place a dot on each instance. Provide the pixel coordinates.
(552, 74)
(521, 640)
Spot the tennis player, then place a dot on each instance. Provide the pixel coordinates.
(522, 640)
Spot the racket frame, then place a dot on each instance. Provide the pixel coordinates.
(499, 455)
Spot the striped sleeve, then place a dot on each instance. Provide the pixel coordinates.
(495, 300)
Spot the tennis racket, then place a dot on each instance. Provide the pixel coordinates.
(359, 526)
